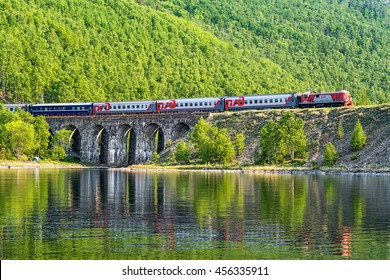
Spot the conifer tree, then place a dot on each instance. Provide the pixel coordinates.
(330, 154)
(239, 143)
(358, 138)
(340, 131)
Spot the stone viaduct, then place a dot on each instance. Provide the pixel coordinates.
(122, 140)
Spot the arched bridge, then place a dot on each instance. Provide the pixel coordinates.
(121, 140)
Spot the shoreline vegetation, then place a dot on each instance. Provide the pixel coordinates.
(250, 169)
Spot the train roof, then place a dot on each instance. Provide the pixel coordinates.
(61, 104)
(190, 99)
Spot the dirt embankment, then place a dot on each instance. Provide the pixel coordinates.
(321, 127)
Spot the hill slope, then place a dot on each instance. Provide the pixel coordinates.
(325, 44)
(99, 50)
(321, 127)
(80, 50)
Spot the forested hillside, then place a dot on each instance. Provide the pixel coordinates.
(100, 50)
(325, 44)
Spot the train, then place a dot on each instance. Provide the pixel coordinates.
(183, 105)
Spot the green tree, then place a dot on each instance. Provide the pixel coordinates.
(271, 149)
(203, 137)
(61, 144)
(340, 131)
(20, 137)
(182, 154)
(155, 156)
(293, 136)
(42, 136)
(224, 149)
(330, 154)
(239, 143)
(358, 137)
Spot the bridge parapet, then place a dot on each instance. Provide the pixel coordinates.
(122, 140)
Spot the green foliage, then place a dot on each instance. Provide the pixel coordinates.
(340, 130)
(326, 44)
(42, 136)
(293, 136)
(279, 140)
(212, 145)
(61, 144)
(155, 157)
(239, 143)
(358, 137)
(58, 153)
(224, 149)
(182, 154)
(330, 154)
(271, 148)
(65, 51)
(123, 50)
(20, 137)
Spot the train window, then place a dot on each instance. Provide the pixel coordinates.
(200, 103)
(270, 101)
(132, 106)
(261, 101)
(196, 104)
(137, 106)
(11, 109)
(128, 106)
(276, 101)
(186, 104)
(250, 101)
(265, 100)
(256, 101)
(280, 100)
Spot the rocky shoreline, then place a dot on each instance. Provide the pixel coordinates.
(342, 170)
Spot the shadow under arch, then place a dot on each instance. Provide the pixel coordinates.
(180, 130)
(155, 139)
(74, 141)
(100, 140)
(127, 143)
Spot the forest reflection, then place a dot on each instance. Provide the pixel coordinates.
(114, 214)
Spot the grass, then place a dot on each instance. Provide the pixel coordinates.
(41, 163)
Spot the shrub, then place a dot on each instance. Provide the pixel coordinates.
(182, 152)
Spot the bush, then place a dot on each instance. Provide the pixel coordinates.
(58, 153)
(182, 154)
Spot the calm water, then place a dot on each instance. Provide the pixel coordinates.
(101, 214)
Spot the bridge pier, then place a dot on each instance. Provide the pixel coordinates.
(123, 140)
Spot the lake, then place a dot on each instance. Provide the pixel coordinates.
(99, 214)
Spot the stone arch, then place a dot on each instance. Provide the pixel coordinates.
(155, 140)
(75, 140)
(100, 141)
(127, 143)
(180, 130)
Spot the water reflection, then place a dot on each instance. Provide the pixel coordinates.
(108, 214)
